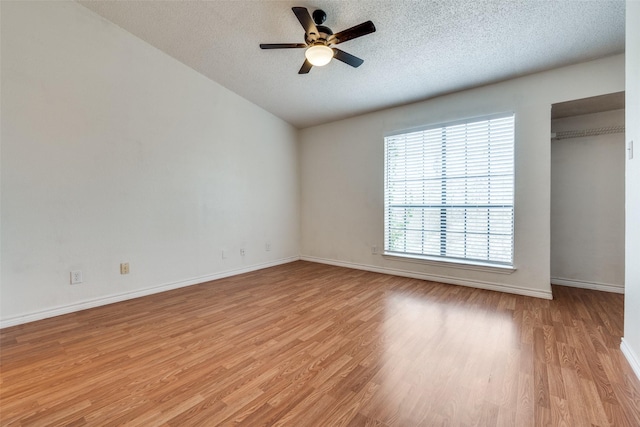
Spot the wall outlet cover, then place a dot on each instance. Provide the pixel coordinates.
(76, 277)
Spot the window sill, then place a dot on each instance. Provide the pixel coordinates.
(458, 264)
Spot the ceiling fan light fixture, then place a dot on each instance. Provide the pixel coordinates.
(319, 55)
(318, 39)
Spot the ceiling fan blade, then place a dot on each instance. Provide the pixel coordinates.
(347, 58)
(281, 45)
(305, 20)
(305, 67)
(353, 32)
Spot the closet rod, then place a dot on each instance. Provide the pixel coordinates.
(587, 132)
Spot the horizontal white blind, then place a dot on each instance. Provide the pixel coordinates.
(449, 191)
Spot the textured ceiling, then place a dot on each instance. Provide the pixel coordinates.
(421, 49)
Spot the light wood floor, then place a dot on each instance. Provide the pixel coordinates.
(306, 344)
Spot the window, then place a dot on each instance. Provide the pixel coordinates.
(449, 192)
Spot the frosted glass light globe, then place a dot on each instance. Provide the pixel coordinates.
(319, 55)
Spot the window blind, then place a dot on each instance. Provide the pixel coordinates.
(449, 191)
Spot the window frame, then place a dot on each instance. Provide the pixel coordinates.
(440, 260)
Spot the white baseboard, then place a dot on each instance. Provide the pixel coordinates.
(435, 278)
(633, 358)
(97, 302)
(605, 287)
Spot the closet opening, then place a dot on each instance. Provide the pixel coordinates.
(587, 193)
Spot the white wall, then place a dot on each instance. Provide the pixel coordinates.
(114, 152)
(342, 175)
(631, 340)
(587, 204)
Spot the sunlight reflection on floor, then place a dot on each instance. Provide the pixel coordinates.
(442, 349)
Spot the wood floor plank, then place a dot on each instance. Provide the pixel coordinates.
(560, 414)
(576, 400)
(308, 344)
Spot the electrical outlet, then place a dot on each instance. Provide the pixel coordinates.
(76, 277)
(225, 254)
(630, 150)
(242, 252)
(124, 268)
(267, 246)
(374, 250)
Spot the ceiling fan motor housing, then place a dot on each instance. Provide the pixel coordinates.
(321, 38)
(319, 16)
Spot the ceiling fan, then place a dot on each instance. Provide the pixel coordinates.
(320, 39)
